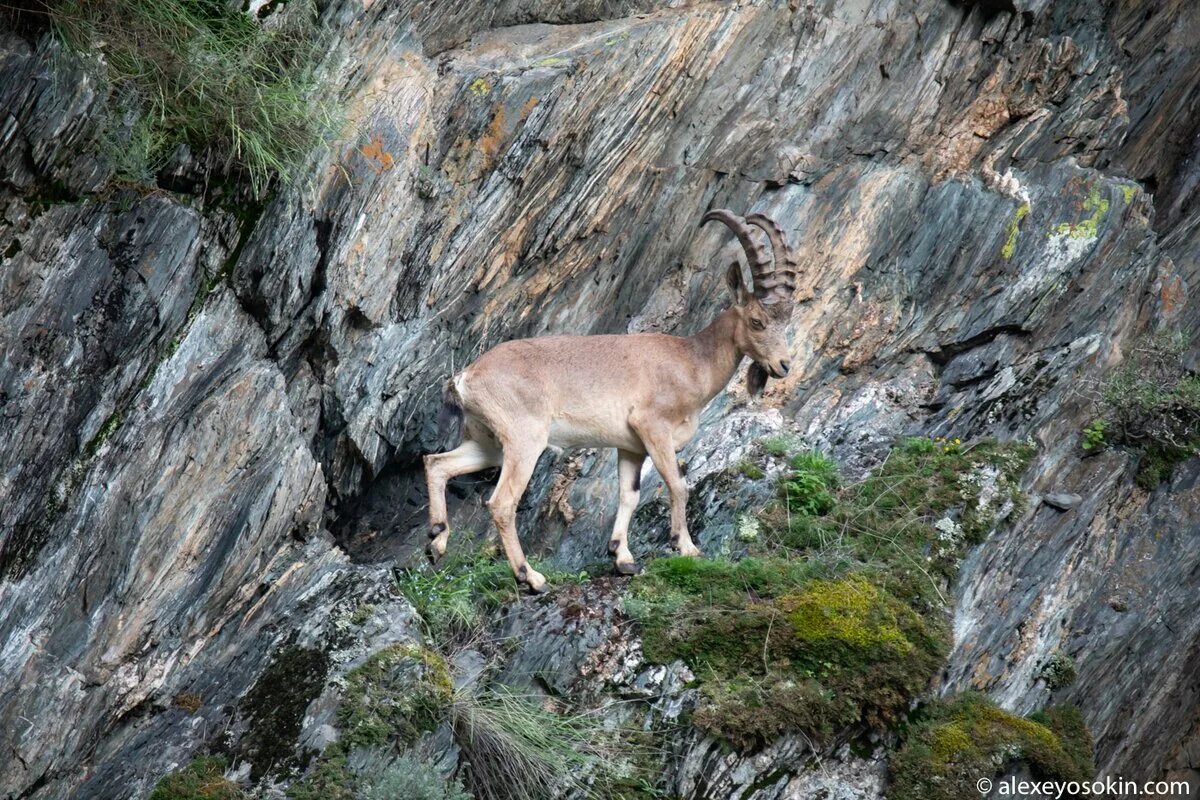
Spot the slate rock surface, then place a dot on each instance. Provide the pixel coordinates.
(211, 422)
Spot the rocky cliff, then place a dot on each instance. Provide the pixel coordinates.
(214, 407)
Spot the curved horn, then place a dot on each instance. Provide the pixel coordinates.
(786, 265)
(756, 254)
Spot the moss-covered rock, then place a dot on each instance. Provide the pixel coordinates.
(778, 649)
(275, 707)
(399, 693)
(957, 742)
(202, 779)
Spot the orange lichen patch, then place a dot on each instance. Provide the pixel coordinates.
(379, 159)
(966, 138)
(1172, 293)
(489, 144)
(528, 108)
(499, 267)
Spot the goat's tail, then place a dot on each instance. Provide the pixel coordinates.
(450, 418)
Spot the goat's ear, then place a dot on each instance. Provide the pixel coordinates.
(756, 379)
(737, 287)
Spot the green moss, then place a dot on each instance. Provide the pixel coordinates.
(1089, 226)
(202, 779)
(1066, 722)
(399, 693)
(748, 469)
(109, 427)
(330, 779)
(276, 704)
(1014, 230)
(362, 613)
(959, 741)
(840, 618)
(777, 649)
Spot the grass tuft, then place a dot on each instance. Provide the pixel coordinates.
(202, 74)
(518, 749)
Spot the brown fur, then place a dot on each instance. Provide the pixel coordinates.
(641, 394)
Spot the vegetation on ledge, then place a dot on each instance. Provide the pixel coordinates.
(203, 74)
(839, 619)
(1151, 404)
(201, 779)
(957, 742)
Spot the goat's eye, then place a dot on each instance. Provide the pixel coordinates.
(757, 324)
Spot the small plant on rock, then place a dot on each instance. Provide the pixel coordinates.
(1095, 435)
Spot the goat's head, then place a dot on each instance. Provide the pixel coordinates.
(764, 312)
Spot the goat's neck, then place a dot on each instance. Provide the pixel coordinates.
(717, 355)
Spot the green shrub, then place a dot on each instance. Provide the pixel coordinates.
(407, 778)
(959, 741)
(202, 779)
(887, 520)
(203, 74)
(1059, 670)
(808, 487)
(778, 446)
(518, 749)
(329, 779)
(1152, 404)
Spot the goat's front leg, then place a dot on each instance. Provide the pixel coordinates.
(662, 452)
(629, 479)
(517, 467)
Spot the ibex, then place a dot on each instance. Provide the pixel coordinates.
(639, 393)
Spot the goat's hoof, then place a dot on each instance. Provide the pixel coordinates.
(628, 568)
(531, 579)
(434, 553)
(691, 551)
(436, 530)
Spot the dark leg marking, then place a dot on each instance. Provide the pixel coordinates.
(613, 544)
(436, 530)
(523, 573)
(637, 480)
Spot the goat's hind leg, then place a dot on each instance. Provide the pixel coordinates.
(519, 460)
(470, 456)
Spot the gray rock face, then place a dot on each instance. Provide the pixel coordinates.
(211, 430)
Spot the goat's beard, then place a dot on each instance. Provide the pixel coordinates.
(756, 379)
